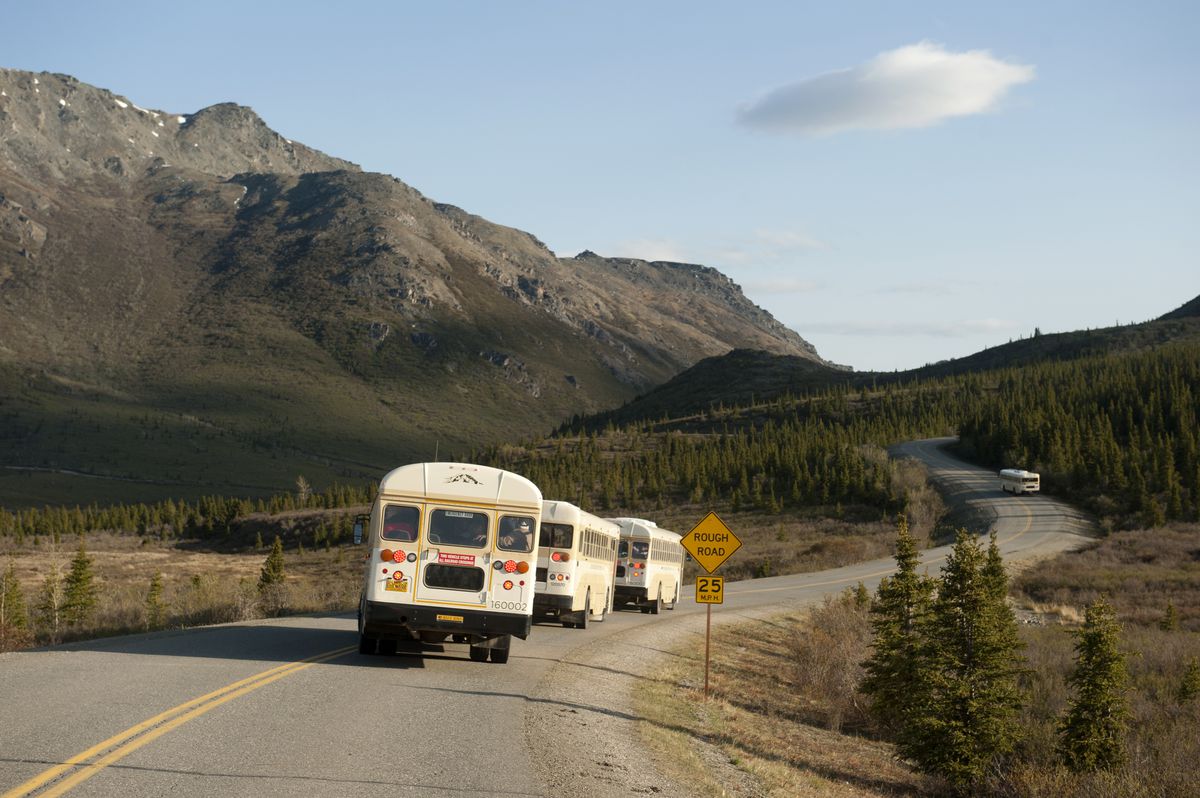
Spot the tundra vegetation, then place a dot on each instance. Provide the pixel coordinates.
(806, 481)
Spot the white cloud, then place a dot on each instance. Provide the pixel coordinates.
(653, 249)
(914, 86)
(782, 285)
(762, 247)
(946, 329)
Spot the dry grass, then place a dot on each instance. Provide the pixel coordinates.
(768, 715)
(199, 586)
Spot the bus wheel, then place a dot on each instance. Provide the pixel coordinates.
(367, 645)
(479, 654)
(674, 600)
(587, 612)
(657, 606)
(499, 655)
(603, 610)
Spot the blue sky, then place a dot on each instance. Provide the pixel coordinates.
(898, 182)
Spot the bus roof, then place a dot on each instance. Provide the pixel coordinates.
(561, 512)
(461, 482)
(641, 528)
(1016, 473)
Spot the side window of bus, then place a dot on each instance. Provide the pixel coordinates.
(400, 523)
(458, 528)
(516, 533)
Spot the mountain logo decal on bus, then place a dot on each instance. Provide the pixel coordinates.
(464, 478)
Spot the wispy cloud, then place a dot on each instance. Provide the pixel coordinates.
(914, 86)
(782, 285)
(654, 249)
(761, 247)
(947, 329)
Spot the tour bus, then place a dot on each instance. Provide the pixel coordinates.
(577, 556)
(1015, 480)
(453, 548)
(649, 565)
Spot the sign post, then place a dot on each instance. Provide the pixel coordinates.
(710, 543)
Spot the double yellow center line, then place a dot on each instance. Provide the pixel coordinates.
(90, 762)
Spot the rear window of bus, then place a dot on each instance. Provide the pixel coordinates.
(458, 528)
(557, 536)
(400, 522)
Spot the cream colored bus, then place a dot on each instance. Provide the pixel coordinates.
(453, 548)
(577, 556)
(649, 566)
(1018, 481)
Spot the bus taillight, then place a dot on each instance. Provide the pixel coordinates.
(522, 567)
(561, 556)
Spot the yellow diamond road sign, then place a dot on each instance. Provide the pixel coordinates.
(711, 542)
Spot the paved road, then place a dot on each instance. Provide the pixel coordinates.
(288, 706)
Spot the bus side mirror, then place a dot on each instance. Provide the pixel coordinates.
(360, 524)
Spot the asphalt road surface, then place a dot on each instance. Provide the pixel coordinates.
(287, 707)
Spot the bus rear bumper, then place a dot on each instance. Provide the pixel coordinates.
(551, 605)
(624, 594)
(402, 621)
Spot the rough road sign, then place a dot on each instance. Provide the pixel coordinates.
(711, 542)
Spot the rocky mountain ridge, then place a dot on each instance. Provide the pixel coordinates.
(178, 263)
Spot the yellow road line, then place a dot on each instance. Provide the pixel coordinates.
(164, 721)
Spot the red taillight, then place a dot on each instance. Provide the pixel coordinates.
(510, 566)
(398, 555)
(556, 556)
(522, 567)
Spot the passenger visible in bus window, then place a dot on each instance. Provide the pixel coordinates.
(516, 533)
(458, 528)
(623, 548)
(400, 523)
(641, 550)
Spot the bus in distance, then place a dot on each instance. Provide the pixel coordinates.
(453, 548)
(649, 566)
(1018, 481)
(577, 555)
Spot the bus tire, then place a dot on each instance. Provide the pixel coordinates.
(657, 606)
(478, 654)
(587, 611)
(603, 610)
(675, 599)
(367, 645)
(499, 655)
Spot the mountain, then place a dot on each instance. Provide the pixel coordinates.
(192, 303)
(740, 376)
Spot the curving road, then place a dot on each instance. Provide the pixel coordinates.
(288, 707)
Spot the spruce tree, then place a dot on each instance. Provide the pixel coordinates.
(1170, 620)
(1189, 686)
(272, 569)
(79, 594)
(969, 718)
(894, 671)
(1091, 732)
(14, 620)
(155, 609)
